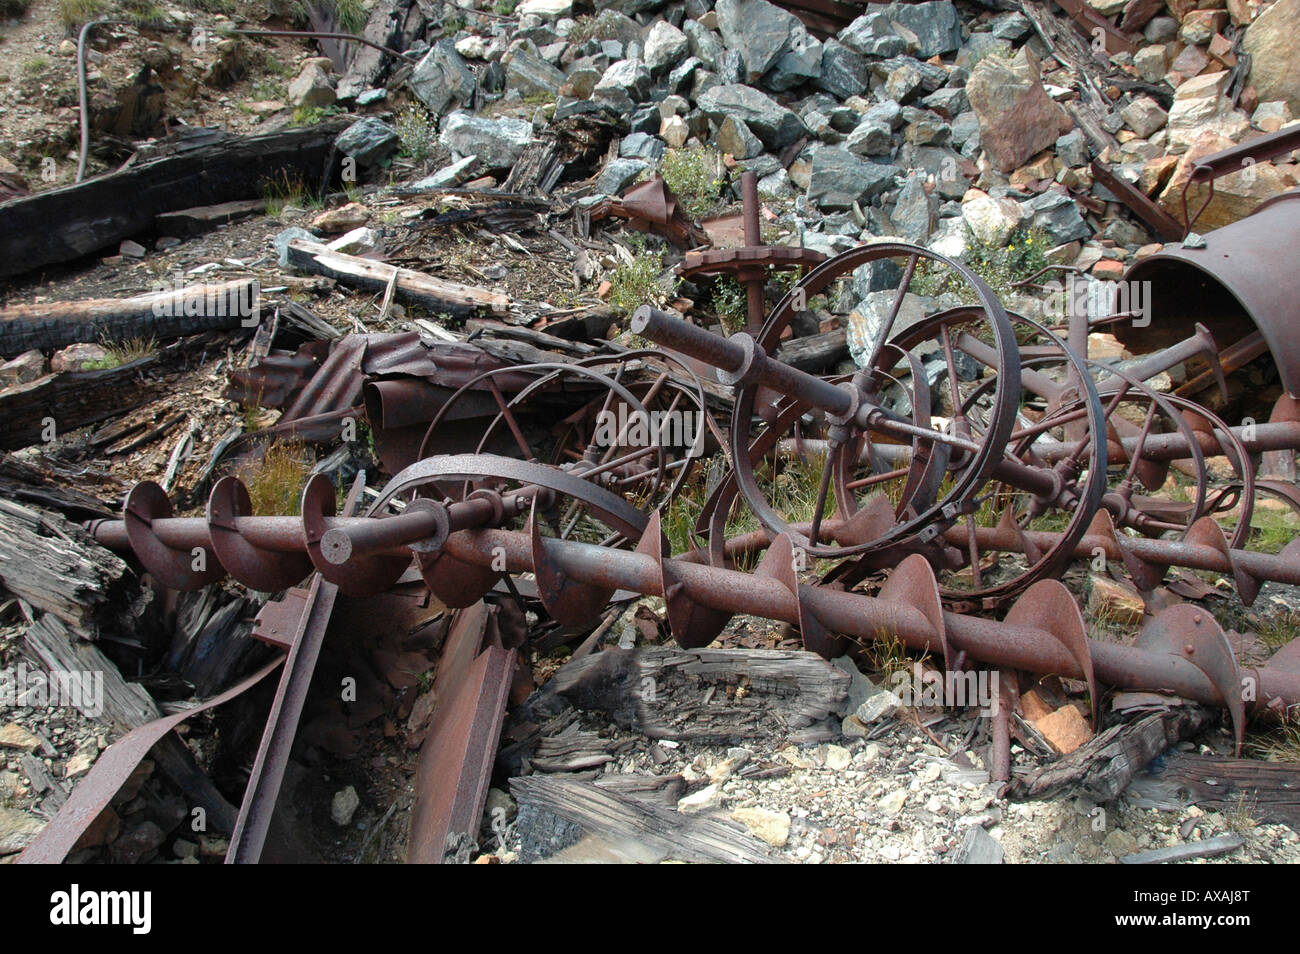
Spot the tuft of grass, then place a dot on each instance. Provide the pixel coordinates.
(1280, 745)
(350, 15)
(295, 11)
(77, 13)
(696, 176)
(36, 64)
(505, 7)
(1239, 817)
(887, 655)
(636, 283)
(123, 352)
(1275, 632)
(285, 189)
(1272, 527)
(143, 11)
(275, 482)
(416, 129)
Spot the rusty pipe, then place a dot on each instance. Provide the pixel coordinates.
(866, 618)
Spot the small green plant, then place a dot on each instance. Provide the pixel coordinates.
(212, 6)
(284, 190)
(636, 283)
(1024, 254)
(505, 7)
(584, 28)
(695, 176)
(311, 115)
(250, 416)
(416, 129)
(143, 11)
(730, 304)
(295, 11)
(36, 65)
(76, 13)
(275, 481)
(122, 352)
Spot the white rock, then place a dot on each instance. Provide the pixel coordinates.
(708, 797)
(344, 806)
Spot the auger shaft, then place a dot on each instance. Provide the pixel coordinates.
(997, 643)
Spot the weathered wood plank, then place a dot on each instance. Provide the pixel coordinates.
(411, 286)
(58, 568)
(705, 694)
(1104, 766)
(619, 818)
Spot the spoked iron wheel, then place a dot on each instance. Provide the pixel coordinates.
(891, 437)
(638, 439)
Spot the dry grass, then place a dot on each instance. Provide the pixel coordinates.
(1280, 745)
(123, 352)
(275, 482)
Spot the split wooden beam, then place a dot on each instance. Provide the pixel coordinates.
(410, 286)
(57, 567)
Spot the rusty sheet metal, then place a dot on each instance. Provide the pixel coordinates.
(455, 765)
(652, 206)
(309, 383)
(258, 805)
(1243, 279)
(110, 772)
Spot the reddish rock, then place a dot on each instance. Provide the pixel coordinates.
(82, 356)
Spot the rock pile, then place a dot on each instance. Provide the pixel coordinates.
(941, 124)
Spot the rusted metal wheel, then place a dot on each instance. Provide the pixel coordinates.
(640, 436)
(894, 418)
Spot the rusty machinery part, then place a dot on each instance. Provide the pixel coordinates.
(652, 206)
(362, 555)
(562, 501)
(1239, 282)
(1179, 652)
(752, 263)
(1004, 518)
(575, 577)
(653, 486)
(1206, 169)
(875, 407)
